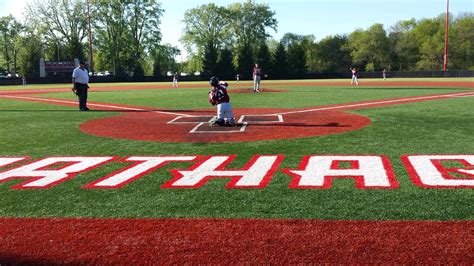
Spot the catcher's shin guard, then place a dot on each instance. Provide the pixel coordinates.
(216, 122)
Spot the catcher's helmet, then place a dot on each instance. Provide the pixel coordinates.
(214, 81)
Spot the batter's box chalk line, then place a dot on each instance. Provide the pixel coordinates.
(218, 129)
(244, 120)
(261, 119)
(191, 119)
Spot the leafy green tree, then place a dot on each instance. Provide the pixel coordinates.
(461, 51)
(10, 30)
(225, 68)
(264, 58)
(209, 63)
(245, 60)
(241, 27)
(331, 54)
(296, 54)
(60, 22)
(279, 66)
(5, 39)
(370, 47)
(126, 33)
(291, 38)
(403, 46)
(143, 19)
(193, 64)
(429, 33)
(204, 25)
(309, 46)
(250, 23)
(296, 58)
(164, 59)
(111, 35)
(30, 54)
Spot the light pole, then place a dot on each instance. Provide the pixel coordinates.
(446, 37)
(91, 60)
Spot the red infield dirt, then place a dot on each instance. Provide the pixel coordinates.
(150, 126)
(231, 241)
(262, 124)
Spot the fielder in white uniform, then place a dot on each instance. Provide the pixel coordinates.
(354, 76)
(257, 75)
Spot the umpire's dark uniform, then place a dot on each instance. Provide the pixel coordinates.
(80, 80)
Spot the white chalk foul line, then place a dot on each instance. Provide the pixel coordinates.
(93, 104)
(462, 94)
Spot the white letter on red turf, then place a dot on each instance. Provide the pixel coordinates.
(427, 171)
(46, 178)
(4, 161)
(317, 171)
(145, 165)
(256, 174)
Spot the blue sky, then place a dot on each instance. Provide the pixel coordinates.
(317, 17)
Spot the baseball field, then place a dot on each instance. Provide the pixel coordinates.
(315, 171)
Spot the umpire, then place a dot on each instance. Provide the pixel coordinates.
(80, 80)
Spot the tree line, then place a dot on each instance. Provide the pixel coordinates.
(221, 40)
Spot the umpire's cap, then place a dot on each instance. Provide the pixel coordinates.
(214, 81)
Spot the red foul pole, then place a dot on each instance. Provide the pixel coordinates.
(91, 62)
(446, 37)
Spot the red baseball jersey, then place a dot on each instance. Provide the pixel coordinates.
(218, 94)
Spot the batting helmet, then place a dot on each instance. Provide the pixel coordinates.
(214, 81)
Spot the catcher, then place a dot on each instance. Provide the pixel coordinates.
(218, 97)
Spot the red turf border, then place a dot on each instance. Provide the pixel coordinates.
(231, 241)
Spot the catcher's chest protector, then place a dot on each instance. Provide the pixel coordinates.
(220, 94)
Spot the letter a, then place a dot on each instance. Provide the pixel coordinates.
(317, 171)
(41, 177)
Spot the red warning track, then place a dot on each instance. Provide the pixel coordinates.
(231, 241)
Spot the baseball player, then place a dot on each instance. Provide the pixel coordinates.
(175, 80)
(256, 73)
(218, 97)
(354, 76)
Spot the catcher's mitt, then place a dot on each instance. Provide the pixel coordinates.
(212, 99)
